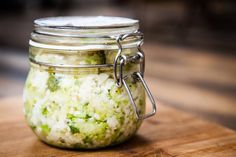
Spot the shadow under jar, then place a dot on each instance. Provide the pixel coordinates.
(85, 87)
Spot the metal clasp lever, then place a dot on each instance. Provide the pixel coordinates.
(139, 77)
(122, 60)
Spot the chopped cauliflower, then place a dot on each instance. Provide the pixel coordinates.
(74, 110)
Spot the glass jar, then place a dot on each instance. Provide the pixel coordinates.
(85, 87)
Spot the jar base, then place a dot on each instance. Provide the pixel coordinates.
(81, 148)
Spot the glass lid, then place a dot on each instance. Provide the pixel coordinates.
(85, 26)
(86, 22)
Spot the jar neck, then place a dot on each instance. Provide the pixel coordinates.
(82, 46)
(80, 43)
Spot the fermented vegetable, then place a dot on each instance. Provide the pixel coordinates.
(80, 110)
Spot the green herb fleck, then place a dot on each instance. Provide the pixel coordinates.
(45, 111)
(52, 83)
(96, 58)
(109, 94)
(88, 140)
(73, 129)
(45, 129)
(71, 117)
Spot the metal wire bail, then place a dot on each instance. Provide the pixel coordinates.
(140, 78)
(121, 80)
(119, 55)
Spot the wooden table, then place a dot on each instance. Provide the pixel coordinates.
(170, 133)
(194, 80)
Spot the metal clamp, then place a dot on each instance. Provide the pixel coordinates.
(140, 78)
(119, 55)
(120, 79)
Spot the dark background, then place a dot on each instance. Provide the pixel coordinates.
(190, 47)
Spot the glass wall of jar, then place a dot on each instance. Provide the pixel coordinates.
(71, 96)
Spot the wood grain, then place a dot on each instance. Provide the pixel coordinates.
(194, 80)
(170, 133)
